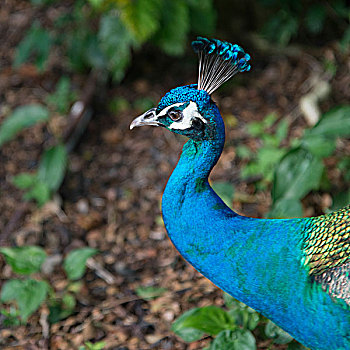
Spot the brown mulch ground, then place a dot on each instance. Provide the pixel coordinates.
(110, 199)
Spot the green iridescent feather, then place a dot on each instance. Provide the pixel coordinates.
(326, 245)
(327, 241)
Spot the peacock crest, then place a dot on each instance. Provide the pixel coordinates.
(218, 62)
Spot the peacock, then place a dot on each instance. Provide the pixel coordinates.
(293, 271)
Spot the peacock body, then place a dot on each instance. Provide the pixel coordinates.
(293, 271)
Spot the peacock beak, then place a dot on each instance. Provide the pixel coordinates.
(147, 118)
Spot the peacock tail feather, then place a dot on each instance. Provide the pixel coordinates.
(326, 245)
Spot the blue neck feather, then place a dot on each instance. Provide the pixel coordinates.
(255, 260)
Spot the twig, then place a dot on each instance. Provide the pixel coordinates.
(110, 305)
(44, 323)
(100, 271)
(80, 114)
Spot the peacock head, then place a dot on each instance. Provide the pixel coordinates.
(184, 110)
(189, 110)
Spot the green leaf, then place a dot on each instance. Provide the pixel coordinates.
(282, 130)
(115, 41)
(69, 301)
(202, 16)
(84, 51)
(208, 319)
(286, 208)
(234, 340)
(150, 292)
(143, 104)
(74, 263)
(75, 287)
(11, 317)
(230, 301)
(52, 167)
(24, 180)
(36, 189)
(61, 308)
(188, 334)
(37, 43)
(21, 118)
(251, 169)
(281, 27)
(245, 317)
(141, 18)
(297, 173)
(28, 294)
(319, 146)
(242, 314)
(278, 334)
(24, 260)
(267, 159)
(39, 192)
(315, 17)
(62, 97)
(269, 120)
(243, 152)
(334, 123)
(255, 129)
(96, 3)
(270, 141)
(96, 346)
(225, 191)
(174, 26)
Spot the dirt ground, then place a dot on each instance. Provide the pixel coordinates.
(110, 198)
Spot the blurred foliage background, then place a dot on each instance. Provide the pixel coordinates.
(78, 191)
(103, 34)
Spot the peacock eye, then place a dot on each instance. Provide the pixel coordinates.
(175, 116)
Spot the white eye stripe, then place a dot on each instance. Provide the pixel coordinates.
(189, 114)
(166, 109)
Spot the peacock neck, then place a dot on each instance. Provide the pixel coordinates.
(188, 187)
(198, 159)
